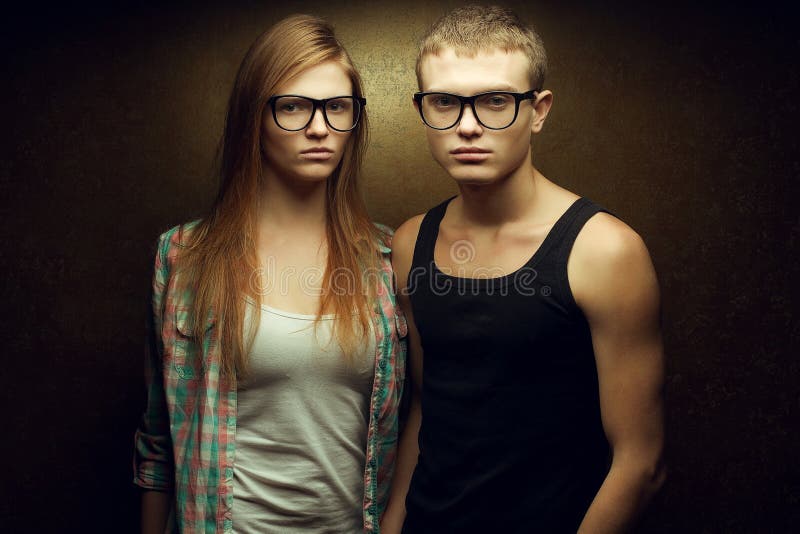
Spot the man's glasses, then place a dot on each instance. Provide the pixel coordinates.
(494, 109)
(295, 112)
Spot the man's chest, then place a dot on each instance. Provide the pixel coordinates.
(464, 253)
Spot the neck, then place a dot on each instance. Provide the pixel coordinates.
(293, 205)
(507, 200)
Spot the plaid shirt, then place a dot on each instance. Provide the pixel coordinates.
(185, 442)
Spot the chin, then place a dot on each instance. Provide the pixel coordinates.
(317, 173)
(473, 175)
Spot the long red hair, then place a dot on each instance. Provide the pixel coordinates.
(220, 259)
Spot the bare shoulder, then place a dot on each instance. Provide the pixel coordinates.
(405, 237)
(610, 263)
(607, 241)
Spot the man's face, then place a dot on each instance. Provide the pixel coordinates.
(503, 152)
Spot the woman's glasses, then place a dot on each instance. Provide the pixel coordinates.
(295, 112)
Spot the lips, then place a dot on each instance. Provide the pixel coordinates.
(470, 154)
(319, 153)
(469, 150)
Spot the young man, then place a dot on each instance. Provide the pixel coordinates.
(538, 406)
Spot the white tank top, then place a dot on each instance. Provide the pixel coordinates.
(301, 435)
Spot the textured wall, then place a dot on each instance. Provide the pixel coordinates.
(681, 121)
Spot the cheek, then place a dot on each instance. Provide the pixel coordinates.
(274, 153)
(339, 142)
(274, 145)
(437, 141)
(519, 139)
(267, 141)
(342, 138)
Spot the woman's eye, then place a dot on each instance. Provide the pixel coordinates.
(292, 105)
(338, 106)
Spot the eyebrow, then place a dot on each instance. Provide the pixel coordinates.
(501, 87)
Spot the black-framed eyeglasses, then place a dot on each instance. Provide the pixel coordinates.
(295, 112)
(493, 109)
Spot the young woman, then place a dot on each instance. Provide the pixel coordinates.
(275, 367)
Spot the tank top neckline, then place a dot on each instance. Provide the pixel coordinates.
(559, 228)
(291, 314)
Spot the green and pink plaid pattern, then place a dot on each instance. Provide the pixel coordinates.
(185, 441)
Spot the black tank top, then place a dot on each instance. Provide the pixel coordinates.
(511, 438)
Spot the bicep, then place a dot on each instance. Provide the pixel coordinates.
(630, 379)
(621, 302)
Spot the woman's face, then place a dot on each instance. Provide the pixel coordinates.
(312, 153)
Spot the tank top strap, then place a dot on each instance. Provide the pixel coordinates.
(428, 232)
(570, 226)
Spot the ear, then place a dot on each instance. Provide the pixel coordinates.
(541, 107)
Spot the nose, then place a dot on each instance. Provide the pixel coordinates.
(468, 125)
(317, 127)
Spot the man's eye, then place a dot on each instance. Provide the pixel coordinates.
(444, 101)
(497, 101)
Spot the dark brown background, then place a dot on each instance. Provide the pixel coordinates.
(680, 119)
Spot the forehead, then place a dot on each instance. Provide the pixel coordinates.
(324, 80)
(494, 69)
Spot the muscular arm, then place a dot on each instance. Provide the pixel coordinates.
(614, 283)
(402, 253)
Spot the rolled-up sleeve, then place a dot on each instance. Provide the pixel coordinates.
(153, 457)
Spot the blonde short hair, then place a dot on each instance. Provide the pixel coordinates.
(472, 29)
